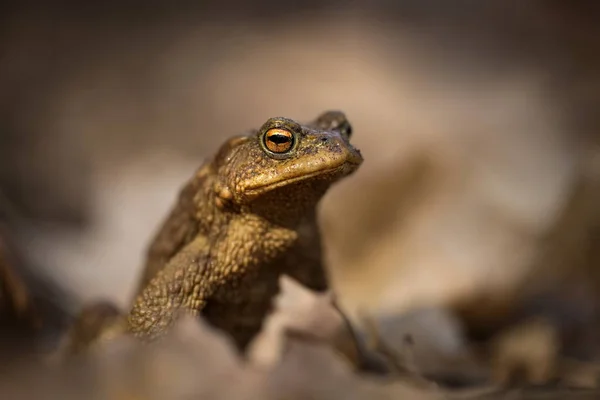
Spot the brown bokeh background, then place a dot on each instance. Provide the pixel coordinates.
(477, 122)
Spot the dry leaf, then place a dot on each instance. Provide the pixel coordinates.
(296, 309)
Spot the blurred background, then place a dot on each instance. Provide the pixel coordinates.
(477, 122)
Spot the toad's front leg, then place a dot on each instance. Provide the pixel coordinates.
(182, 286)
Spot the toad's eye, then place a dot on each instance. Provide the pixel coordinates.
(279, 140)
(346, 129)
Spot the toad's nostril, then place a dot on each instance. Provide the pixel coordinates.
(324, 139)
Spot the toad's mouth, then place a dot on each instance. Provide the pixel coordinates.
(341, 170)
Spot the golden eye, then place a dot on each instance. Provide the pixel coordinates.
(279, 140)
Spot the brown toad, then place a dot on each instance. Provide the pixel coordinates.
(243, 219)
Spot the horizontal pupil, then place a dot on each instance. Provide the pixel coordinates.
(279, 139)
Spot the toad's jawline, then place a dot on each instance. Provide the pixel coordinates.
(346, 168)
